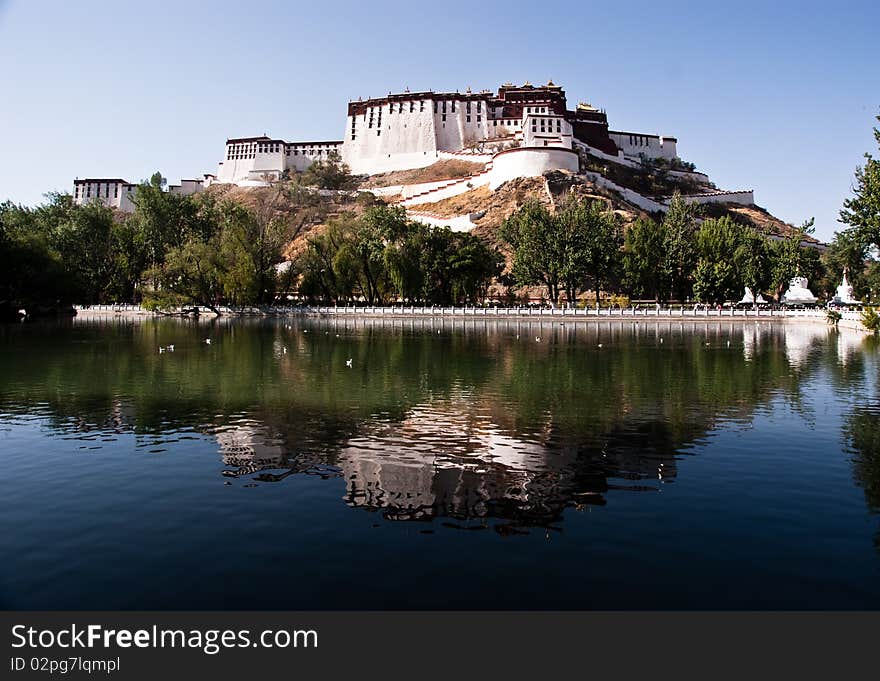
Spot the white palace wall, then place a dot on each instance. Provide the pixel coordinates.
(391, 136)
(530, 162)
(632, 144)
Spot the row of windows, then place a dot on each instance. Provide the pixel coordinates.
(240, 152)
(85, 191)
(401, 105)
(639, 141)
(549, 125)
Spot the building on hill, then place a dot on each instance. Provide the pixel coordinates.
(257, 160)
(115, 192)
(416, 129)
(118, 193)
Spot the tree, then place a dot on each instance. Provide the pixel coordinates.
(645, 258)
(602, 239)
(753, 262)
(848, 253)
(472, 266)
(680, 226)
(537, 256)
(715, 277)
(84, 242)
(331, 173)
(862, 211)
(566, 251)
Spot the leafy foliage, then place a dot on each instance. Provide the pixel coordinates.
(569, 251)
(862, 211)
(383, 256)
(871, 320)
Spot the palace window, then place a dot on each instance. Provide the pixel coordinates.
(479, 118)
(468, 119)
(453, 106)
(421, 106)
(412, 107)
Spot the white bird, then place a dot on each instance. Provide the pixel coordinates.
(161, 349)
(348, 363)
(208, 341)
(284, 351)
(728, 343)
(661, 340)
(171, 348)
(537, 339)
(600, 345)
(305, 330)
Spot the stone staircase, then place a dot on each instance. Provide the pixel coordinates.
(457, 186)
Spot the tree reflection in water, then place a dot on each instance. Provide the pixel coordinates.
(473, 423)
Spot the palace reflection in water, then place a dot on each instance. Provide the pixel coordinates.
(458, 426)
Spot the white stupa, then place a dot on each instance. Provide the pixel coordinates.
(798, 293)
(845, 294)
(749, 298)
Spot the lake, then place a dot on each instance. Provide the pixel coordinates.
(452, 465)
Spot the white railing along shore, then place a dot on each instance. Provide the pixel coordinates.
(685, 312)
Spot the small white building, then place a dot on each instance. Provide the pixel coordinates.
(118, 193)
(845, 294)
(259, 160)
(798, 293)
(115, 192)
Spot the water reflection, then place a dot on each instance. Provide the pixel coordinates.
(465, 420)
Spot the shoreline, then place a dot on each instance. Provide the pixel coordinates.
(851, 321)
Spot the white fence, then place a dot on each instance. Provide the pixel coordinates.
(583, 313)
(647, 312)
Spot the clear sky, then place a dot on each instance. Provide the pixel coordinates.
(775, 96)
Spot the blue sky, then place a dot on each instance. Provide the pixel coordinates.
(779, 97)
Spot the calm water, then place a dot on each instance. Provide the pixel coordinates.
(452, 466)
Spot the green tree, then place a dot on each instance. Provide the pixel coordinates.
(645, 258)
(680, 226)
(472, 266)
(753, 261)
(331, 173)
(862, 211)
(538, 255)
(716, 277)
(84, 242)
(846, 253)
(598, 253)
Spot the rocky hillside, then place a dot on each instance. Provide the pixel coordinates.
(310, 210)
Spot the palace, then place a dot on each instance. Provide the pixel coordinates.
(416, 129)
(518, 131)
